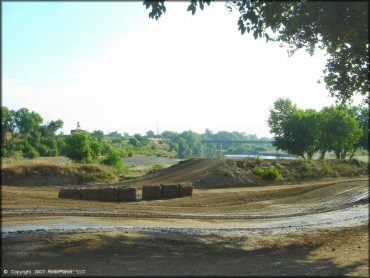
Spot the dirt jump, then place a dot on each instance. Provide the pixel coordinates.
(234, 224)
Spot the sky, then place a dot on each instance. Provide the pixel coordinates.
(110, 67)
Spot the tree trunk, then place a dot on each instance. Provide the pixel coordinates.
(353, 152)
(322, 155)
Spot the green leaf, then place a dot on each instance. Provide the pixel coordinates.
(201, 5)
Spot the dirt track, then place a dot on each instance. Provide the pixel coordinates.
(312, 228)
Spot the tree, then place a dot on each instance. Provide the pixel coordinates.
(183, 149)
(283, 108)
(150, 134)
(54, 126)
(51, 128)
(339, 131)
(143, 140)
(80, 147)
(113, 158)
(7, 123)
(363, 119)
(310, 132)
(26, 121)
(302, 133)
(340, 28)
(362, 116)
(32, 138)
(134, 141)
(296, 131)
(98, 135)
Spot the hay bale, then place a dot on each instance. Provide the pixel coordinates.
(69, 193)
(185, 189)
(108, 194)
(90, 194)
(151, 192)
(169, 191)
(127, 194)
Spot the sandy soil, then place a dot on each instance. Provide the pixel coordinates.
(332, 253)
(317, 228)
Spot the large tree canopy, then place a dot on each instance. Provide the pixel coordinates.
(340, 28)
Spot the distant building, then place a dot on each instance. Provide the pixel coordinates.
(78, 128)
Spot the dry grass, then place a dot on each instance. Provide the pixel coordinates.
(53, 172)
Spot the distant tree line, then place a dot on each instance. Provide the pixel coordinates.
(25, 135)
(339, 129)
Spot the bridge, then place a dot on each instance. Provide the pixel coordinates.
(220, 142)
(237, 141)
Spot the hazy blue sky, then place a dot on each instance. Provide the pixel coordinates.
(110, 67)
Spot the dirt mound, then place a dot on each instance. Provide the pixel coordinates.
(224, 173)
(188, 170)
(43, 174)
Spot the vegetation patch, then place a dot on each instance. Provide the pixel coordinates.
(270, 173)
(98, 177)
(238, 173)
(226, 171)
(34, 173)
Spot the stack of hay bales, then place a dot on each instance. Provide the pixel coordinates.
(169, 191)
(185, 189)
(69, 193)
(114, 194)
(90, 194)
(151, 192)
(108, 194)
(127, 194)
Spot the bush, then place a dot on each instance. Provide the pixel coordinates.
(113, 158)
(326, 169)
(259, 160)
(271, 173)
(80, 147)
(259, 171)
(307, 166)
(227, 172)
(241, 164)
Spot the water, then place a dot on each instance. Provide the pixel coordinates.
(234, 156)
(147, 160)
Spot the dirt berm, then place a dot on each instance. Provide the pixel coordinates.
(225, 173)
(49, 174)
